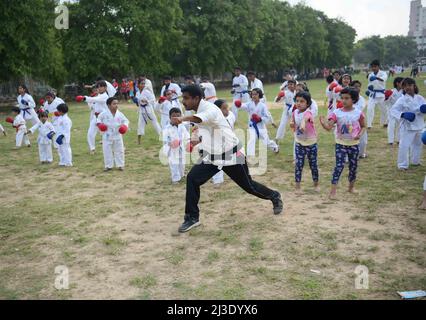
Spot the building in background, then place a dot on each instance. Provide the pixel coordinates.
(417, 27)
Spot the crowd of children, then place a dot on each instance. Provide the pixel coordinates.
(402, 113)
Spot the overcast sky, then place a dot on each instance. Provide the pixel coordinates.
(367, 17)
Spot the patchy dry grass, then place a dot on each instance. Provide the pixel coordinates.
(116, 232)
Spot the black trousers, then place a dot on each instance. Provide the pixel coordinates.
(239, 173)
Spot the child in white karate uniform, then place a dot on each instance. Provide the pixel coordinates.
(239, 90)
(63, 136)
(288, 96)
(113, 125)
(164, 106)
(2, 130)
(145, 100)
(259, 117)
(19, 123)
(50, 106)
(360, 105)
(26, 105)
(230, 118)
(393, 123)
(377, 87)
(410, 108)
(176, 138)
(46, 131)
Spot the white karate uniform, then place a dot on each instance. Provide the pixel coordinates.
(44, 143)
(377, 99)
(258, 84)
(19, 124)
(218, 178)
(393, 124)
(164, 110)
(97, 105)
(363, 141)
(1, 128)
(176, 156)
(64, 150)
(175, 97)
(146, 112)
(112, 140)
(110, 89)
(240, 86)
(27, 110)
(286, 115)
(261, 110)
(52, 108)
(410, 145)
(209, 91)
(330, 97)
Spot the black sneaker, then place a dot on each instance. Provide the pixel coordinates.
(189, 224)
(278, 204)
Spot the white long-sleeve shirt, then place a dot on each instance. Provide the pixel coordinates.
(26, 98)
(171, 133)
(408, 103)
(52, 107)
(261, 110)
(257, 84)
(43, 130)
(378, 85)
(113, 122)
(240, 84)
(99, 102)
(63, 127)
(209, 91)
(145, 95)
(19, 123)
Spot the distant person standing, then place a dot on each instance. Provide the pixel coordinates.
(255, 83)
(239, 89)
(377, 87)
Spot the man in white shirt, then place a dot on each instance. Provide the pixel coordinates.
(220, 149)
(377, 87)
(239, 89)
(209, 90)
(256, 83)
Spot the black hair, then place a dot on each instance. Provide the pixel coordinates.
(167, 78)
(110, 100)
(50, 94)
(219, 103)
(16, 109)
(353, 83)
(292, 81)
(329, 79)
(259, 92)
(304, 86)
(345, 75)
(193, 90)
(352, 92)
(100, 78)
(410, 81)
(43, 114)
(63, 108)
(305, 95)
(23, 86)
(238, 68)
(375, 63)
(101, 83)
(338, 72)
(251, 73)
(205, 79)
(396, 81)
(174, 110)
(189, 78)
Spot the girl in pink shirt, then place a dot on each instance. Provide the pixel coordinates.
(305, 136)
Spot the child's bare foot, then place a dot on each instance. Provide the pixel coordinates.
(298, 189)
(317, 187)
(333, 193)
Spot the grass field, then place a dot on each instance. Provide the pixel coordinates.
(116, 232)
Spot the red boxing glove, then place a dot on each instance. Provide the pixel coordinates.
(162, 99)
(56, 113)
(338, 89)
(93, 94)
(9, 120)
(388, 94)
(281, 94)
(42, 101)
(102, 127)
(256, 118)
(332, 86)
(339, 105)
(40, 110)
(294, 108)
(80, 98)
(123, 129)
(238, 103)
(189, 147)
(175, 144)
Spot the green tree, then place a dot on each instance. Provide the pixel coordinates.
(368, 49)
(399, 50)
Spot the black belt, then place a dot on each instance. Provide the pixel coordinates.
(227, 155)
